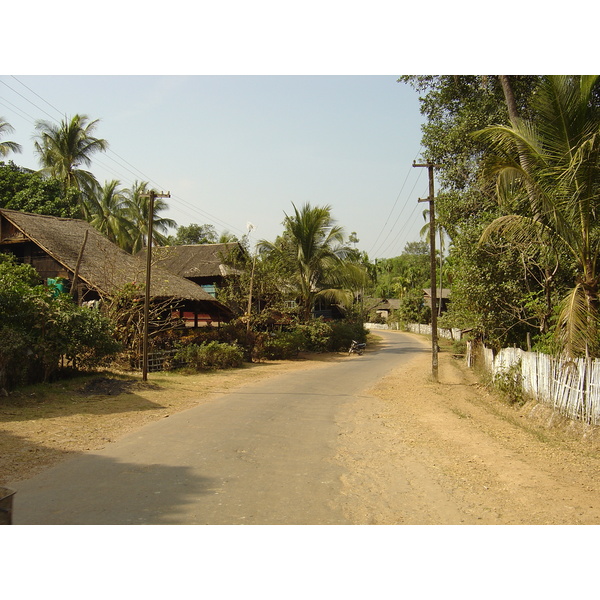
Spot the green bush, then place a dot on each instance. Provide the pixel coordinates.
(281, 345)
(210, 355)
(342, 334)
(459, 346)
(316, 335)
(40, 331)
(413, 308)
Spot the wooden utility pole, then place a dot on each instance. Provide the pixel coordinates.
(249, 313)
(434, 333)
(78, 264)
(152, 195)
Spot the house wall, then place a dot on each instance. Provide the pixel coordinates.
(30, 254)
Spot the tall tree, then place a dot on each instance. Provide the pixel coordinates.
(195, 234)
(548, 176)
(7, 147)
(25, 190)
(138, 209)
(64, 148)
(312, 248)
(108, 213)
(455, 108)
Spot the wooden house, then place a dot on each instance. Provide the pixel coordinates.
(207, 265)
(383, 307)
(443, 298)
(91, 267)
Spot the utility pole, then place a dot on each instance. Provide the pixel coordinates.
(434, 336)
(250, 227)
(152, 195)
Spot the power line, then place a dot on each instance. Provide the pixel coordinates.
(399, 234)
(40, 97)
(27, 99)
(399, 215)
(121, 162)
(15, 107)
(408, 172)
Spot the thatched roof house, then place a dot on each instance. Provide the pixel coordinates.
(58, 247)
(442, 296)
(382, 306)
(208, 265)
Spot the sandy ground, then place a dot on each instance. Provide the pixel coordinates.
(419, 452)
(414, 451)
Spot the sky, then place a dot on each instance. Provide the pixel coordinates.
(239, 149)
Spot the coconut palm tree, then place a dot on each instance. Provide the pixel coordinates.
(7, 147)
(64, 148)
(312, 248)
(548, 175)
(137, 208)
(108, 214)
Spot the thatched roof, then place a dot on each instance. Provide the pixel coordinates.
(197, 260)
(445, 293)
(104, 266)
(381, 303)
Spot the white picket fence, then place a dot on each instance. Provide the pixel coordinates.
(389, 326)
(451, 334)
(571, 387)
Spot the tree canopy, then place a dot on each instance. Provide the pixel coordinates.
(518, 200)
(312, 253)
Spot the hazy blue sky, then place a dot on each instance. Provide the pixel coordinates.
(233, 149)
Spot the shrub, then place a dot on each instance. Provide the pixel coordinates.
(281, 345)
(210, 355)
(342, 334)
(39, 330)
(316, 335)
(510, 384)
(413, 308)
(459, 346)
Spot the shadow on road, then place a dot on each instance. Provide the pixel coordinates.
(120, 493)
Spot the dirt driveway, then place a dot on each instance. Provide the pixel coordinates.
(414, 452)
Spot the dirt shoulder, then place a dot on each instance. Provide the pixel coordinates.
(418, 452)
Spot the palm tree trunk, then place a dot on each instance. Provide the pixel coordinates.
(509, 96)
(513, 115)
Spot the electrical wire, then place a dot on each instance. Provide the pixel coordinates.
(395, 242)
(406, 203)
(119, 161)
(375, 247)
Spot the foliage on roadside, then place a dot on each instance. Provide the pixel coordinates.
(210, 355)
(125, 310)
(42, 331)
(413, 308)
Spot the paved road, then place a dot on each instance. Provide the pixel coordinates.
(260, 455)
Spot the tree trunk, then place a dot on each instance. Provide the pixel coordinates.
(509, 96)
(513, 115)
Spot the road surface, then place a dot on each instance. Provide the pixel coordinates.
(263, 454)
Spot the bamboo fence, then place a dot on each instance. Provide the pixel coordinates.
(571, 387)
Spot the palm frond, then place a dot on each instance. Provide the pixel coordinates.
(576, 330)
